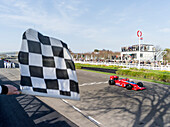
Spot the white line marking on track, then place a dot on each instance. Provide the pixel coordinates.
(88, 117)
(64, 101)
(94, 120)
(77, 109)
(93, 83)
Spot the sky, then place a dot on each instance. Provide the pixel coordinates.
(86, 25)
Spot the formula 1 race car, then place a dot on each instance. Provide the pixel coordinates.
(114, 80)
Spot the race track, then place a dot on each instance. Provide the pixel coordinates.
(110, 106)
(119, 107)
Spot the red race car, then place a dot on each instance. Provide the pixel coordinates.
(114, 80)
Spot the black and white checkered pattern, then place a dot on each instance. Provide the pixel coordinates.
(46, 67)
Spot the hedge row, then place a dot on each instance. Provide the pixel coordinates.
(78, 66)
(142, 73)
(146, 75)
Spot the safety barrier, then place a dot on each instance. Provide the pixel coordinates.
(129, 65)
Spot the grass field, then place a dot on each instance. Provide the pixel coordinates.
(157, 72)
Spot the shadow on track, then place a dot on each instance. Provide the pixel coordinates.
(26, 111)
(149, 107)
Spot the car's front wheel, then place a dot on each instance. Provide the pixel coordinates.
(128, 86)
(140, 84)
(111, 82)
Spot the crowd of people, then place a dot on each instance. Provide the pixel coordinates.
(8, 64)
(136, 48)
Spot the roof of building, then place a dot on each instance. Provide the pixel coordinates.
(138, 44)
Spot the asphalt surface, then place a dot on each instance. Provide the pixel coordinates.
(27, 111)
(100, 105)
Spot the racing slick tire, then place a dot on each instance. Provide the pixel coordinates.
(140, 84)
(111, 82)
(129, 86)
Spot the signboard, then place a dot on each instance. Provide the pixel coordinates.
(139, 33)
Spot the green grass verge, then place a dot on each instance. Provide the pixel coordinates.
(78, 65)
(151, 71)
(144, 74)
(148, 80)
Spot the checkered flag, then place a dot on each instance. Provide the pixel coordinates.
(46, 67)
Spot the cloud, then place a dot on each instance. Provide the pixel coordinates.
(23, 13)
(63, 21)
(165, 30)
(62, 17)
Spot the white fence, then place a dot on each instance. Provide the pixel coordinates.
(129, 65)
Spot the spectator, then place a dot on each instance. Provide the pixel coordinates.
(5, 64)
(13, 65)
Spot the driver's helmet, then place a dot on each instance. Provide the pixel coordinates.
(116, 77)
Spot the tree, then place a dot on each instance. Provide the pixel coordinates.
(96, 50)
(167, 55)
(158, 48)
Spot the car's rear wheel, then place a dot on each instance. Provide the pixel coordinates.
(111, 82)
(140, 84)
(129, 86)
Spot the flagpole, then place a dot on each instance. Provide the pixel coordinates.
(139, 34)
(139, 53)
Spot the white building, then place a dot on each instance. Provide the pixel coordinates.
(147, 53)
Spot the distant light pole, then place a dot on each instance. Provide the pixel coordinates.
(139, 34)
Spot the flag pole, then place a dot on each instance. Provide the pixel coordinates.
(139, 34)
(139, 53)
